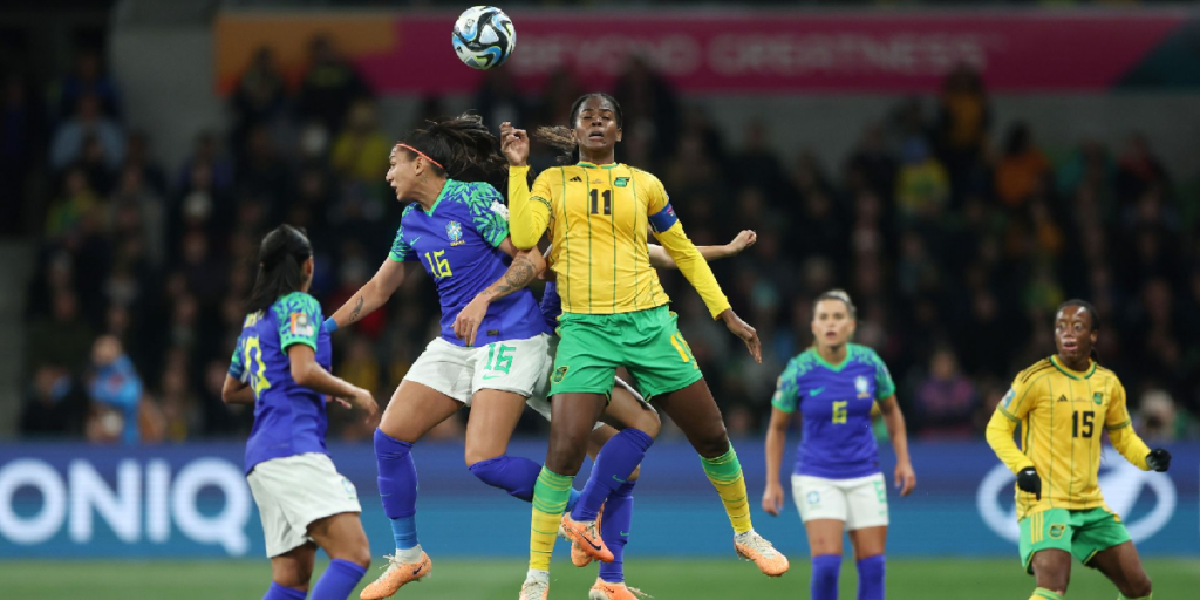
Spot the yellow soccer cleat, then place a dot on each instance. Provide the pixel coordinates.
(603, 590)
(396, 576)
(752, 546)
(586, 536)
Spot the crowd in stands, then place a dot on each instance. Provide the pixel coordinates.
(957, 242)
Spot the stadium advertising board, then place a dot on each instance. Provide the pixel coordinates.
(744, 51)
(192, 501)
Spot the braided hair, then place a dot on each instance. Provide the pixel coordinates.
(563, 137)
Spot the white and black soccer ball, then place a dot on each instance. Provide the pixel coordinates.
(484, 37)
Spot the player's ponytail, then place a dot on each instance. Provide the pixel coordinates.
(281, 258)
(563, 137)
(461, 148)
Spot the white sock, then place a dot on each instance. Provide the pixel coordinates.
(409, 556)
(543, 576)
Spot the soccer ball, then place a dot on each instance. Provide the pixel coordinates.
(484, 37)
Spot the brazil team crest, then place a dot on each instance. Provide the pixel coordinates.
(455, 233)
(863, 386)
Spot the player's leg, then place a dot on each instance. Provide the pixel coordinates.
(822, 508)
(1046, 552)
(291, 572)
(637, 425)
(867, 523)
(341, 536)
(1101, 542)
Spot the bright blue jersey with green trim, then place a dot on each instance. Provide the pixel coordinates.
(457, 241)
(836, 402)
(288, 419)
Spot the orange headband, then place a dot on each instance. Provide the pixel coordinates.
(421, 154)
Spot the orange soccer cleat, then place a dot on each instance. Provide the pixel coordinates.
(752, 546)
(586, 537)
(579, 557)
(396, 576)
(603, 590)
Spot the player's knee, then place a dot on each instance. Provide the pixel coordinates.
(360, 556)
(564, 460)
(712, 443)
(1139, 586)
(648, 422)
(637, 472)
(474, 454)
(293, 576)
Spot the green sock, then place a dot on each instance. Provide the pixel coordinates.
(1045, 594)
(725, 473)
(550, 495)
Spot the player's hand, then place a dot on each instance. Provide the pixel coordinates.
(744, 331)
(906, 478)
(1028, 480)
(466, 324)
(743, 240)
(773, 499)
(364, 400)
(341, 401)
(1158, 460)
(515, 144)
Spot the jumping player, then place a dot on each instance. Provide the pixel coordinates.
(614, 314)
(837, 485)
(281, 366)
(1063, 403)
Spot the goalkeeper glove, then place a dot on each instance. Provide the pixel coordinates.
(1029, 481)
(1158, 460)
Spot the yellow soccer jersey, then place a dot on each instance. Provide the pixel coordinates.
(1063, 414)
(599, 219)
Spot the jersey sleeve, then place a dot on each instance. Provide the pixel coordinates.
(688, 259)
(489, 216)
(1020, 399)
(884, 386)
(787, 392)
(237, 363)
(529, 208)
(1120, 430)
(299, 321)
(401, 251)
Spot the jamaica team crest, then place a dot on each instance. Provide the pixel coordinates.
(455, 233)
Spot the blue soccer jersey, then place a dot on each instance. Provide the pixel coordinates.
(457, 241)
(288, 419)
(551, 305)
(836, 402)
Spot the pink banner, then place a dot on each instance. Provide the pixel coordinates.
(780, 52)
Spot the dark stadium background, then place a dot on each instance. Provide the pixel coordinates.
(957, 237)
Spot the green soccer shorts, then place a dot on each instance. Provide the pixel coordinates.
(646, 342)
(1083, 533)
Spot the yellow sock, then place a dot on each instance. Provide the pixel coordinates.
(725, 473)
(550, 495)
(1045, 594)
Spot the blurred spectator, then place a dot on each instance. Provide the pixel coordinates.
(71, 141)
(138, 159)
(1139, 170)
(961, 134)
(922, 185)
(21, 141)
(53, 405)
(206, 154)
(1158, 421)
(945, 401)
(649, 104)
(116, 392)
(89, 79)
(755, 164)
(329, 86)
(1022, 169)
(260, 96)
(62, 339)
(360, 151)
(498, 100)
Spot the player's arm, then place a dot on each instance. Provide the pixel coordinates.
(893, 420)
(378, 290)
(1119, 426)
(530, 209)
(659, 258)
(236, 390)
(298, 336)
(1015, 405)
(784, 407)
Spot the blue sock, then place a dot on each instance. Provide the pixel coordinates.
(870, 577)
(515, 475)
(614, 530)
(397, 487)
(338, 581)
(824, 584)
(618, 458)
(279, 592)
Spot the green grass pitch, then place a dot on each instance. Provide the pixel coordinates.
(908, 579)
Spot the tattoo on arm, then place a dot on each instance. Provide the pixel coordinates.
(518, 275)
(354, 315)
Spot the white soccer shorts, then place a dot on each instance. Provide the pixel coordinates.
(860, 502)
(294, 491)
(517, 366)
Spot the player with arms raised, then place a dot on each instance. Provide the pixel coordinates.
(837, 484)
(281, 366)
(1063, 403)
(598, 213)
